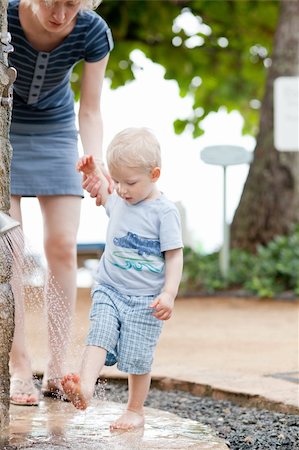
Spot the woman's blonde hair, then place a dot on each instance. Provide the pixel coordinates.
(86, 4)
(136, 148)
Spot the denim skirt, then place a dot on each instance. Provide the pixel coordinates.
(44, 161)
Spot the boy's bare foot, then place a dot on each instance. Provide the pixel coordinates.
(129, 420)
(72, 388)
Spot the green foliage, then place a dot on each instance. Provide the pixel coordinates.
(201, 272)
(271, 271)
(236, 40)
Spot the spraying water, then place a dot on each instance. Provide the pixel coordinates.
(34, 290)
(22, 283)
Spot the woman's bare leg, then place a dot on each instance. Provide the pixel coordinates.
(20, 365)
(61, 216)
(80, 388)
(133, 417)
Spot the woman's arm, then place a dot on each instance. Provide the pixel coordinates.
(90, 117)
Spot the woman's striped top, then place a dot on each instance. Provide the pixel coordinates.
(42, 91)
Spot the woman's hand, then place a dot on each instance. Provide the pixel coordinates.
(92, 184)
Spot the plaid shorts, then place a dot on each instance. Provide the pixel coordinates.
(124, 325)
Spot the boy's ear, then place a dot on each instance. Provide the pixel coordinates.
(155, 174)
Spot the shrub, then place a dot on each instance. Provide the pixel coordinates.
(272, 270)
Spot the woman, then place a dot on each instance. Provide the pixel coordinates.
(49, 37)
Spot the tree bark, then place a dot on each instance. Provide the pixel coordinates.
(6, 295)
(5, 118)
(269, 205)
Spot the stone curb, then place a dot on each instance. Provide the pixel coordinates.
(206, 390)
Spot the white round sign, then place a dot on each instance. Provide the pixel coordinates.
(226, 155)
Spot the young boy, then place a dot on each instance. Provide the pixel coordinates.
(138, 275)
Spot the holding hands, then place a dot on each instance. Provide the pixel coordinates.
(95, 178)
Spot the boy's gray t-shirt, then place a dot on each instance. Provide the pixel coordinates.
(137, 235)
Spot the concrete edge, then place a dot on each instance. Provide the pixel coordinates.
(206, 390)
(240, 398)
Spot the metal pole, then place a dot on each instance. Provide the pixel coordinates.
(224, 254)
(224, 156)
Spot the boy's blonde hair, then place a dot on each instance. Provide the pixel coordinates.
(86, 4)
(135, 148)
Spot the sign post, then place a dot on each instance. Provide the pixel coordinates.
(225, 155)
(286, 114)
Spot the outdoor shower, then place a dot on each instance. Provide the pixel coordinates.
(6, 223)
(8, 226)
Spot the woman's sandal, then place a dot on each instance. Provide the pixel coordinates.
(23, 392)
(53, 389)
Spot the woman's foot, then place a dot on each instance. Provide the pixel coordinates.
(23, 392)
(129, 420)
(52, 388)
(72, 389)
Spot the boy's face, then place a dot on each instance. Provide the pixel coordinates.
(134, 184)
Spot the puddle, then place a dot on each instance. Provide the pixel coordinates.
(57, 426)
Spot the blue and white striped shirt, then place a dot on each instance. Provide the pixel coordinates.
(42, 90)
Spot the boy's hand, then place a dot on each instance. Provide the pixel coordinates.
(163, 306)
(86, 165)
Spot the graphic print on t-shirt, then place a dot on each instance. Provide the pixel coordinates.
(142, 254)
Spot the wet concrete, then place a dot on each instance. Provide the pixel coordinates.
(55, 425)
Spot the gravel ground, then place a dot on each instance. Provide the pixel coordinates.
(241, 428)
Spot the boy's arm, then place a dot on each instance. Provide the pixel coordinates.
(164, 302)
(94, 179)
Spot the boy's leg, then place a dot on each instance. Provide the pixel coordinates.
(133, 417)
(80, 388)
(103, 333)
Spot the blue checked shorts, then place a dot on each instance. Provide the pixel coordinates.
(124, 325)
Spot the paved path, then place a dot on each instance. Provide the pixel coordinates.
(242, 349)
(56, 425)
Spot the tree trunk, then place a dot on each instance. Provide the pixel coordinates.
(6, 295)
(269, 205)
